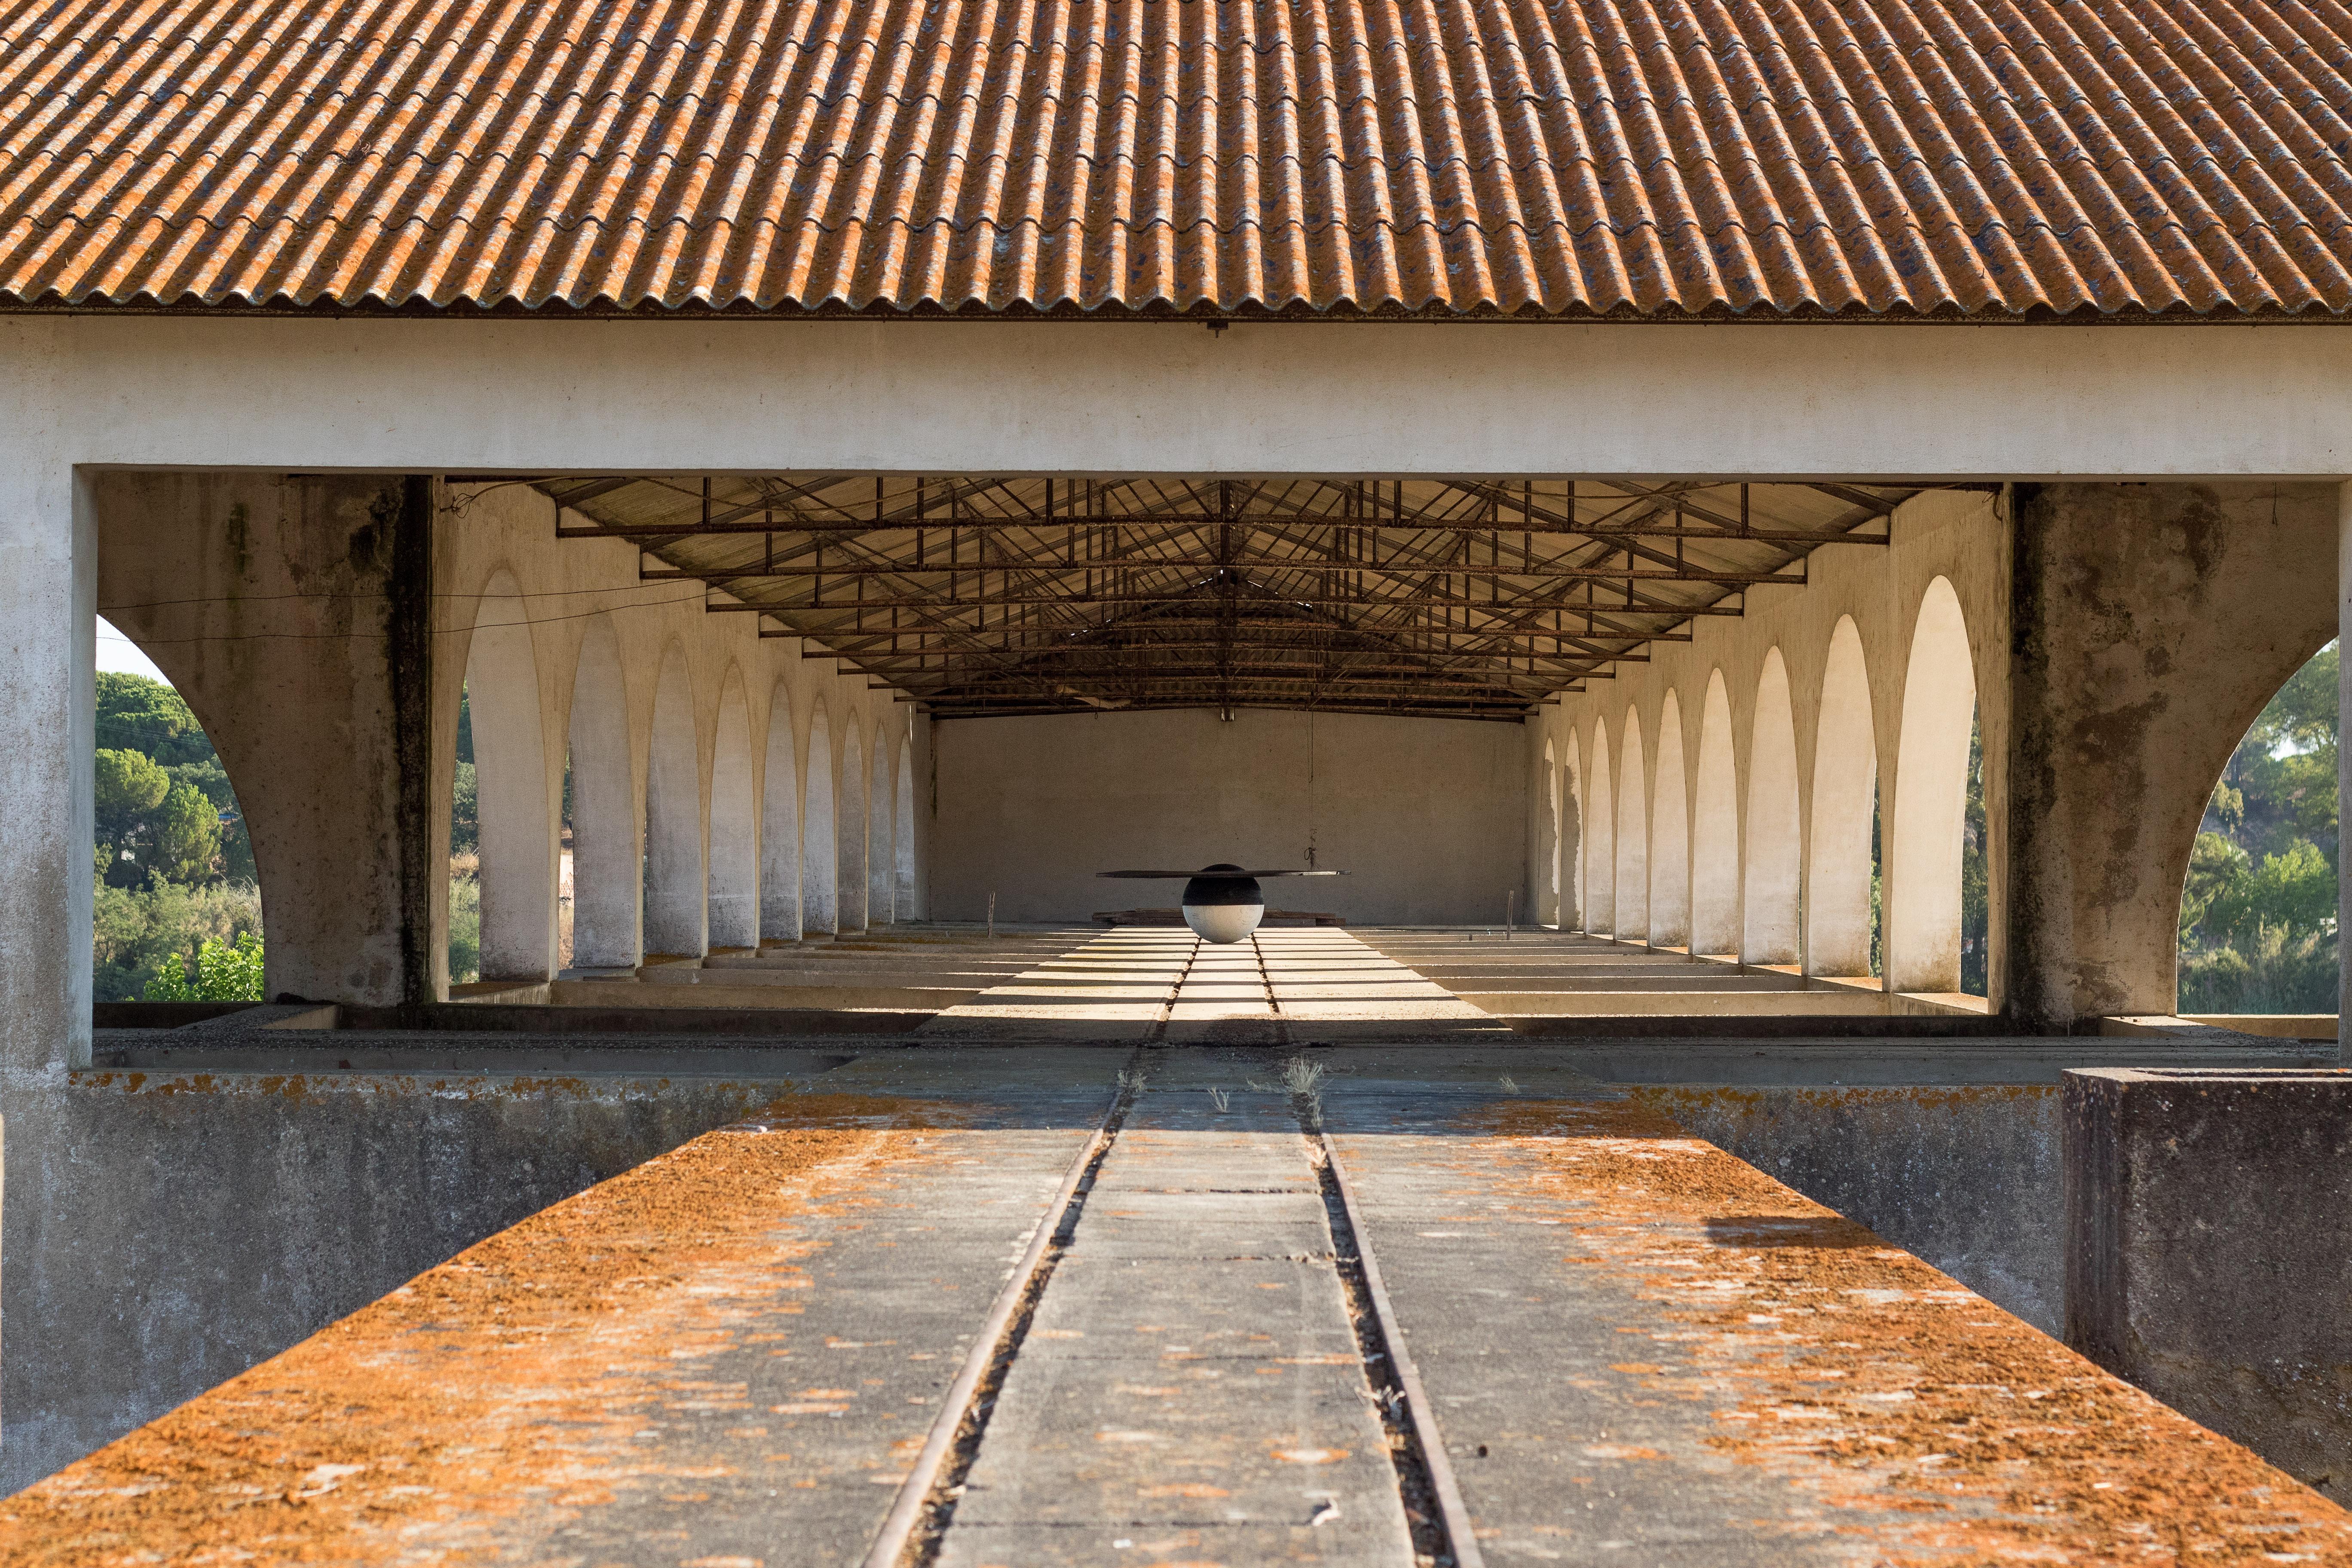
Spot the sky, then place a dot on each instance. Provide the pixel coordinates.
(116, 651)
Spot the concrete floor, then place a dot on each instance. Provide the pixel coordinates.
(1106, 1186)
(1633, 1348)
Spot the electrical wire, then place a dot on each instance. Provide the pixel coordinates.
(438, 632)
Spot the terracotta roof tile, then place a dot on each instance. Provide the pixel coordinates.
(1979, 158)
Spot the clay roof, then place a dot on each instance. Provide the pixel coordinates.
(1635, 158)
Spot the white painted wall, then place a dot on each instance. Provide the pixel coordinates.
(1425, 814)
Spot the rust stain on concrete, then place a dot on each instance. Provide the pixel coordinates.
(510, 1377)
(1944, 1428)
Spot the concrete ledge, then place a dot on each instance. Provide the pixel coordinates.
(2208, 1250)
(693, 1013)
(2272, 1026)
(1683, 1000)
(685, 991)
(1755, 1025)
(2216, 1028)
(160, 1014)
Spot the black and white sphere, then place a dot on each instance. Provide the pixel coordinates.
(1222, 909)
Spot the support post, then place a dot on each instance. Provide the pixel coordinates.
(2343, 752)
(48, 583)
(409, 648)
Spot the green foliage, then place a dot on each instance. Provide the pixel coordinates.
(2215, 867)
(465, 813)
(187, 837)
(138, 933)
(129, 785)
(161, 794)
(1877, 868)
(211, 780)
(136, 714)
(1976, 910)
(465, 929)
(176, 881)
(223, 972)
(2274, 974)
(2258, 907)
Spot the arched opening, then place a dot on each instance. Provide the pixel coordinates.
(605, 933)
(1715, 829)
(2258, 910)
(1571, 840)
(515, 831)
(1770, 898)
(780, 827)
(676, 885)
(820, 887)
(177, 909)
(910, 907)
(1632, 883)
(1840, 913)
(881, 855)
(1670, 883)
(734, 824)
(1546, 835)
(1931, 793)
(850, 810)
(1600, 843)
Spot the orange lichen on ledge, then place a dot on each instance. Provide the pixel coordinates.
(511, 1375)
(1935, 1424)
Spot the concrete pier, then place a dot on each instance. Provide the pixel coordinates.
(2208, 1250)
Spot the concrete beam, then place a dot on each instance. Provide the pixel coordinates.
(1801, 402)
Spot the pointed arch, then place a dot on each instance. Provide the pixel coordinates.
(1714, 828)
(1632, 796)
(1931, 787)
(606, 880)
(1769, 894)
(1670, 883)
(677, 877)
(734, 918)
(1600, 840)
(780, 826)
(902, 836)
(820, 887)
(518, 830)
(1846, 784)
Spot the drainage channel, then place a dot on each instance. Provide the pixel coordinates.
(1201, 1218)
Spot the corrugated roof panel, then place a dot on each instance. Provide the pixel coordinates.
(1981, 158)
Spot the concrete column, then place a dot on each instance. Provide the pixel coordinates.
(2148, 625)
(2343, 752)
(294, 615)
(47, 580)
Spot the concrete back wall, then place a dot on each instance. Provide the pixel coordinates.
(1425, 814)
